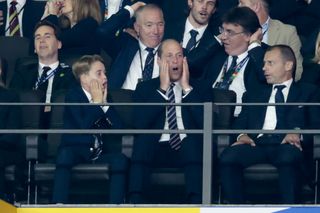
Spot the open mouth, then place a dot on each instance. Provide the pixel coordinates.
(175, 68)
(203, 14)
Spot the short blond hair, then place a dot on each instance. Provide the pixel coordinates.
(83, 65)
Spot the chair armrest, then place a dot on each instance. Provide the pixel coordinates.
(222, 142)
(32, 145)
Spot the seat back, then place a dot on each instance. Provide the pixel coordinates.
(12, 48)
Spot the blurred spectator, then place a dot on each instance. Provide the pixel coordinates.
(28, 12)
(276, 32)
(78, 21)
(10, 150)
(311, 73)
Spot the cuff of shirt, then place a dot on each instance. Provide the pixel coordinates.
(253, 45)
(105, 108)
(239, 136)
(131, 11)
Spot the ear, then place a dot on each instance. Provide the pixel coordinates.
(59, 44)
(288, 65)
(190, 3)
(136, 28)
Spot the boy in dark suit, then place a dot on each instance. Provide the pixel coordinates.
(86, 148)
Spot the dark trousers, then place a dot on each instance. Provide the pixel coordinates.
(70, 156)
(153, 154)
(285, 157)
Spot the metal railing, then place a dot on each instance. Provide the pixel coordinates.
(207, 131)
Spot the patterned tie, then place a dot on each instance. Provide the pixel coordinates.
(280, 110)
(225, 82)
(192, 41)
(14, 20)
(42, 83)
(174, 141)
(148, 65)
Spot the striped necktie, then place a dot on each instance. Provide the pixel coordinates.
(14, 20)
(148, 65)
(174, 141)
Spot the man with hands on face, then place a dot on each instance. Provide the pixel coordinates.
(284, 151)
(169, 150)
(89, 70)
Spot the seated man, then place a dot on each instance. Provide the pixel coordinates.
(86, 148)
(9, 143)
(284, 151)
(170, 150)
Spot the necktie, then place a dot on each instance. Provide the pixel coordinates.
(192, 41)
(174, 141)
(148, 65)
(14, 20)
(280, 110)
(225, 82)
(42, 83)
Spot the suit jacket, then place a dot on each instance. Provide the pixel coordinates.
(32, 13)
(10, 118)
(153, 117)
(280, 33)
(253, 73)
(25, 78)
(252, 117)
(85, 117)
(311, 73)
(175, 30)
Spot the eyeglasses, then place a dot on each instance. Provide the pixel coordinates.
(228, 33)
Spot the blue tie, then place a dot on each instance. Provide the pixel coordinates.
(148, 65)
(192, 41)
(174, 141)
(280, 110)
(42, 83)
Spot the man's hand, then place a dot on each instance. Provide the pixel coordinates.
(164, 76)
(257, 36)
(137, 5)
(244, 139)
(97, 92)
(184, 80)
(293, 139)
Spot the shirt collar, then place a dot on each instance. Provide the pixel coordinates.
(286, 83)
(143, 47)
(20, 4)
(52, 66)
(240, 57)
(200, 30)
(88, 95)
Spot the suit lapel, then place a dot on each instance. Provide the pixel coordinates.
(3, 7)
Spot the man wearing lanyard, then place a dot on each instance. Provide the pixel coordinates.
(237, 63)
(47, 75)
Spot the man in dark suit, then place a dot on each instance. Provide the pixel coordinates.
(31, 12)
(87, 148)
(47, 74)
(134, 58)
(199, 26)
(237, 63)
(172, 150)
(281, 150)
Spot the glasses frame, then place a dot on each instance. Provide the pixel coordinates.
(229, 33)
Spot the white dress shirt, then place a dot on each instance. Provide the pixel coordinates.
(178, 98)
(186, 36)
(136, 68)
(19, 6)
(50, 80)
(237, 84)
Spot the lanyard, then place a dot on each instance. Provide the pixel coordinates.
(42, 80)
(237, 69)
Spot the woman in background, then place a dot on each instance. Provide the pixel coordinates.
(78, 20)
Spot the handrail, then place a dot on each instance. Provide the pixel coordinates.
(207, 130)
